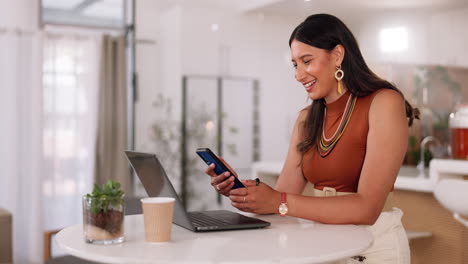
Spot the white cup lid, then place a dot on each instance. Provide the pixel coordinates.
(158, 200)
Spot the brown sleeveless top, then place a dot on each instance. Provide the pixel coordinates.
(341, 169)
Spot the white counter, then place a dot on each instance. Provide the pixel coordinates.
(409, 178)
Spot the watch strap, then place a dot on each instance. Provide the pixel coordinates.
(283, 198)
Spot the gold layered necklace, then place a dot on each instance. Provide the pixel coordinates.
(327, 144)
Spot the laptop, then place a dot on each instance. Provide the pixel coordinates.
(157, 184)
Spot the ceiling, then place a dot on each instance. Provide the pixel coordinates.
(343, 7)
(300, 7)
(112, 9)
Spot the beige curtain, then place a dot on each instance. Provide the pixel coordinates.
(111, 162)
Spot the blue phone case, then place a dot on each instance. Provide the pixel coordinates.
(209, 157)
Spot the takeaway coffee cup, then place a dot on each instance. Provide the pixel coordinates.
(157, 214)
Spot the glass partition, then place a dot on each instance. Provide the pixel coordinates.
(220, 114)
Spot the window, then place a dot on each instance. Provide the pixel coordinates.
(91, 13)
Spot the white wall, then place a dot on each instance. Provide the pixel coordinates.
(246, 45)
(158, 65)
(448, 38)
(368, 29)
(147, 67)
(434, 37)
(255, 45)
(20, 14)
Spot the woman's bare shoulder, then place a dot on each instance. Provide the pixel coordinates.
(387, 102)
(387, 96)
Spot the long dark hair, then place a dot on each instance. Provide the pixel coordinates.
(325, 31)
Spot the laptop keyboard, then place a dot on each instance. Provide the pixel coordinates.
(200, 219)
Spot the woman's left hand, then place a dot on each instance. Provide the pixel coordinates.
(261, 199)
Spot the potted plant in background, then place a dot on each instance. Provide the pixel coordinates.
(166, 134)
(103, 214)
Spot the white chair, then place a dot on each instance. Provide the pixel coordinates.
(453, 195)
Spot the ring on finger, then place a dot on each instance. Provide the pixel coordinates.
(257, 182)
(244, 198)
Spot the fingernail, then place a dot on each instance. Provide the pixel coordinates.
(226, 173)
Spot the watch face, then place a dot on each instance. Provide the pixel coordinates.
(283, 209)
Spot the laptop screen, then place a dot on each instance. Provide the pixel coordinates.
(157, 184)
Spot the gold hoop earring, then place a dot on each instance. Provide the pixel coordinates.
(339, 74)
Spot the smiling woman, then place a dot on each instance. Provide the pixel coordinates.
(337, 144)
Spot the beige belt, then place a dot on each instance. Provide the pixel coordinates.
(328, 191)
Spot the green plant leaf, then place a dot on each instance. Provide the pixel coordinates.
(104, 197)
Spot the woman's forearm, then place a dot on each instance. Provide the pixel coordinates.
(346, 209)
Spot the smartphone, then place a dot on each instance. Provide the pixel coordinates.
(209, 157)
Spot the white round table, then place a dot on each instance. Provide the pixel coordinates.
(288, 239)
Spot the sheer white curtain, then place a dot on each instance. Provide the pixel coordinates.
(21, 140)
(70, 83)
(48, 104)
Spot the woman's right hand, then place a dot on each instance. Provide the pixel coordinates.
(223, 182)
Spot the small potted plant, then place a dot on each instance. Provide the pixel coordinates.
(103, 214)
